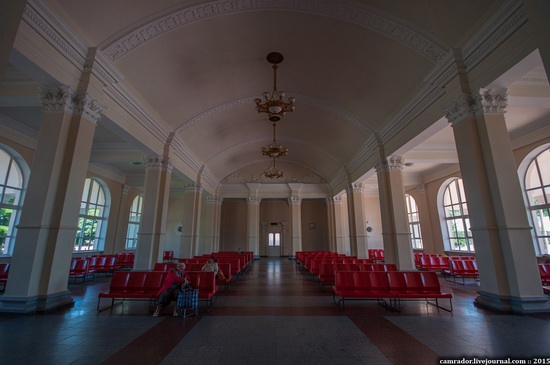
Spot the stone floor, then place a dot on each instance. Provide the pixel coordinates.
(273, 314)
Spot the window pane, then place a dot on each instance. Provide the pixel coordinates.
(11, 196)
(277, 239)
(543, 161)
(535, 197)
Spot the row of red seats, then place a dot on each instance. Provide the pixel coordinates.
(144, 285)
(462, 269)
(4, 272)
(327, 271)
(544, 271)
(224, 267)
(392, 285)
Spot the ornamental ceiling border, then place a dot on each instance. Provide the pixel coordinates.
(305, 100)
(122, 43)
(263, 140)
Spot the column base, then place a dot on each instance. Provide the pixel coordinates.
(516, 305)
(36, 304)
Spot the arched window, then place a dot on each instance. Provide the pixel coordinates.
(414, 222)
(456, 217)
(92, 221)
(537, 189)
(11, 200)
(133, 223)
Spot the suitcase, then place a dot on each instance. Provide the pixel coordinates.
(188, 299)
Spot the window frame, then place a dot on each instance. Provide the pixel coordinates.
(542, 209)
(100, 221)
(414, 224)
(458, 216)
(17, 163)
(132, 233)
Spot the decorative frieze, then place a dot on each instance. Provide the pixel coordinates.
(359, 16)
(214, 200)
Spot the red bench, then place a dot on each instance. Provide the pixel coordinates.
(208, 289)
(544, 270)
(417, 285)
(361, 285)
(434, 262)
(462, 269)
(4, 272)
(125, 261)
(132, 285)
(80, 269)
(392, 285)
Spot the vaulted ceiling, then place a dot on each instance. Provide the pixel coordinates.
(190, 70)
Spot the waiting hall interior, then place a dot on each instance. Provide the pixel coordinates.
(390, 206)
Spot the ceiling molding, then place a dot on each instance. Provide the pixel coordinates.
(504, 22)
(303, 99)
(40, 17)
(121, 44)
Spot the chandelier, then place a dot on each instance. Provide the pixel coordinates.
(274, 104)
(273, 172)
(274, 149)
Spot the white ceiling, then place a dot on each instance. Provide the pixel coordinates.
(353, 66)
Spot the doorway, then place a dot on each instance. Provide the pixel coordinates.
(274, 241)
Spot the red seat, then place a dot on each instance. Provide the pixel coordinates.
(4, 272)
(79, 270)
(168, 256)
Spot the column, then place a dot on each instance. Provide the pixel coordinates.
(122, 222)
(395, 225)
(214, 205)
(340, 221)
(357, 221)
(152, 228)
(253, 224)
(331, 225)
(47, 228)
(191, 220)
(507, 263)
(295, 203)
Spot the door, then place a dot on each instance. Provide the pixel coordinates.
(274, 242)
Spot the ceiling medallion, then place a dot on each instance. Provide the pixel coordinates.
(274, 104)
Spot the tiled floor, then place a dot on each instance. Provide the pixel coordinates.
(272, 315)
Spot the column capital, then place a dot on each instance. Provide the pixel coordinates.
(214, 200)
(460, 109)
(253, 200)
(491, 101)
(357, 187)
(57, 99)
(337, 200)
(295, 200)
(421, 188)
(89, 109)
(126, 189)
(158, 163)
(392, 163)
(193, 188)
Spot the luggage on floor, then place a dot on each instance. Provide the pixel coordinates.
(188, 299)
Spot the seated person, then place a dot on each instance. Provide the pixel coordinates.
(212, 265)
(170, 288)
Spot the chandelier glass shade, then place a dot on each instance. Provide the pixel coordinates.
(273, 149)
(274, 104)
(273, 172)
